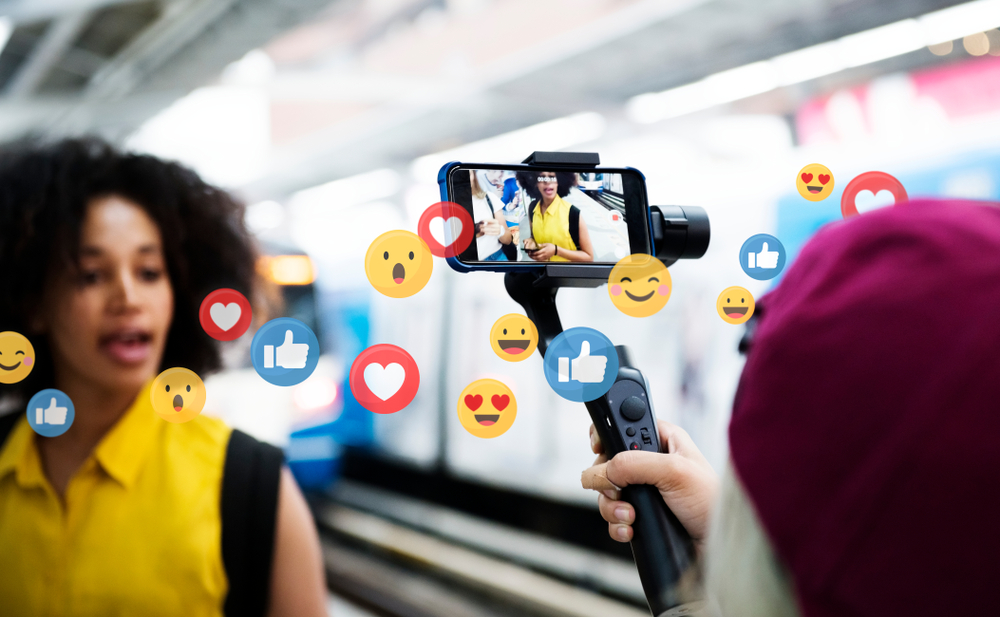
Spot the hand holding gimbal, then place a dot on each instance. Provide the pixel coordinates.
(663, 550)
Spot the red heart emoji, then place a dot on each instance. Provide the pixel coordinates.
(824, 178)
(473, 402)
(500, 402)
(807, 178)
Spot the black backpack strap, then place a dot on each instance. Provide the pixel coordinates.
(574, 226)
(250, 481)
(531, 212)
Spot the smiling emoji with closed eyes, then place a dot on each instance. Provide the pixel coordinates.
(177, 395)
(17, 357)
(639, 285)
(735, 305)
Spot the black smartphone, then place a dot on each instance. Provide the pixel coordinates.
(595, 216)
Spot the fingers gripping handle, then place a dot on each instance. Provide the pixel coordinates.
(664, 552)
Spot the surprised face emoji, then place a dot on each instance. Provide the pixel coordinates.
(177, 395)
(398, 264)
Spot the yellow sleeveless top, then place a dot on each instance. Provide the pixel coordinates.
(553, 226)
(139, 532)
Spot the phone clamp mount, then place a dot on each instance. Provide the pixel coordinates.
(664, 552)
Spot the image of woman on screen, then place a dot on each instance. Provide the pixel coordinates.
(492, 235)
(558, 232)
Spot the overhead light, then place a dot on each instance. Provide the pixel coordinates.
(716, 89)
(741, 82)
(941, 49)
(958, 21)
(977, 44)
(515, 145)
(808, 63)
(880, 43)
(350, 191)
(6, 29)
(288, 269)
(895, 39)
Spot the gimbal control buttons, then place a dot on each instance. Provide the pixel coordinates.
(633, 408)
(630, 432)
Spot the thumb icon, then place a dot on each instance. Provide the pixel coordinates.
(584, 349)
(288, 337)
(52, 403)
(764, 249)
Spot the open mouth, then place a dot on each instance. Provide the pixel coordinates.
(178, 402)
(814, 189)
(398, 273)
(513, 347)
(10, 368)
(127, 346)
(641, 298)
(734, 312)
(487, 420)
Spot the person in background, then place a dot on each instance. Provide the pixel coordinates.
(109, 256)
(862, 478)
(558, 232)
(509, 190)
(492, 234)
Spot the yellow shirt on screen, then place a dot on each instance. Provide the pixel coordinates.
(553, 226)
(139, 529)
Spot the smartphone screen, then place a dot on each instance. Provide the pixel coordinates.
(531, 215)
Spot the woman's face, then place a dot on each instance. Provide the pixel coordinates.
(548, 185)
(108, 321)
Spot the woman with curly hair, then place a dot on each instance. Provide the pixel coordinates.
(106, 258)
(558, 232)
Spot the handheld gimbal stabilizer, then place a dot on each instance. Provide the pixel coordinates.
(664, 552)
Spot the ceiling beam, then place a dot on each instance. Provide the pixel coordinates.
(58, 38)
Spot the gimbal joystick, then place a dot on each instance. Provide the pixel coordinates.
(664, 552)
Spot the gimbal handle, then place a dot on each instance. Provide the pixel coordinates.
(663, 550)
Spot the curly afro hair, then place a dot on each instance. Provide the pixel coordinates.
(529, 182)
(45, 188)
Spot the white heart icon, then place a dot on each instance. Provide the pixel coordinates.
(437, 229)
(384, 382)
(225, 315)
(866, 201)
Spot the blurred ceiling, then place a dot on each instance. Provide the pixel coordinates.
(366, 84)
(74, 66)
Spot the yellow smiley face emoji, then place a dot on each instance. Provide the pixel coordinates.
(639, 285)
(398, 264)
(178, 395)
(513, 337)
(814, 182)
(735, 305)
(486, 408)
(17, 357)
